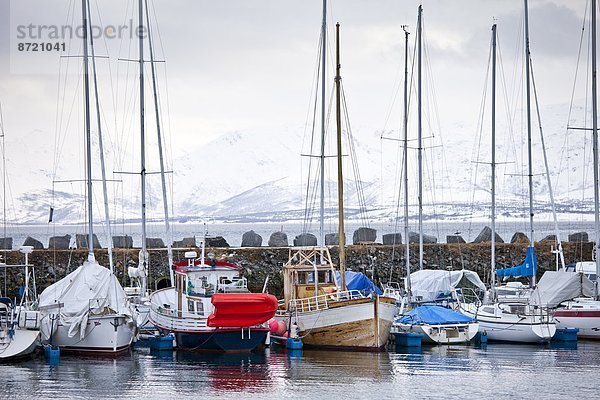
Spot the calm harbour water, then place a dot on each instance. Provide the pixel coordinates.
(495, 371)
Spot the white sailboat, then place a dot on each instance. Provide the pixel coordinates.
(583, 313)
(511, 321)
(139, 293)
(87, 311)
(19, 324)
(325, 313)
(436, 324)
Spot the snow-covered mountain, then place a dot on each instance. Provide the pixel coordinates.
(261, 175)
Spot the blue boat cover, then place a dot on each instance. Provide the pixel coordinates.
(433, 315)
(359, 281)
(528, 268)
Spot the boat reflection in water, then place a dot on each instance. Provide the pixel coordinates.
(225, 372)
(331, 367)
(432, 372)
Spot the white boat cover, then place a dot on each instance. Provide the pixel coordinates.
(429, 285)
(557, 286)
(90, 289)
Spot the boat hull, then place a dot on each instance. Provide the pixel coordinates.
(195, 330)
(104, 335)
(222, 340)
(22, 344)
(587, 321)
(508, 327)
(357, 324)
(443, 333)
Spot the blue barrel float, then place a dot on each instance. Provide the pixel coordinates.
(408, 339)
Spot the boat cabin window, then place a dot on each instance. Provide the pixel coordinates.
(196, 307)
(199, 286)
(306, 278)
(517, 309)
(224, 280)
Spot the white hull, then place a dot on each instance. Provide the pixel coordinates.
(583, 314)
(22, 343)
(500, 325)
(441, 334)
(104, 334)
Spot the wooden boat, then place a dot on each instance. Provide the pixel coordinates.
(316, 305)
(210, 308)
(325, 316)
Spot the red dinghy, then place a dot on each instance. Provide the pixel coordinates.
(240, 310)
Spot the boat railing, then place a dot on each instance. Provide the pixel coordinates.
(169, 318)
(322, 302)
(394, 290)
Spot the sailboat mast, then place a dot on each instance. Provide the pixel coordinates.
(3, 136)
(405, 151)
(595, 146)
(323, 64)
(493, 252)
(88, 135)
(420, 135)
(529, 151)
(338, 115)
(160, 148)
(142, 148)
(101, 150)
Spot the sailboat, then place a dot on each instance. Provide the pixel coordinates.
(511, 321)
(583, 313)
(87, 311)
(138, 294)
(19, 324)
(317, 307)
(434, 323)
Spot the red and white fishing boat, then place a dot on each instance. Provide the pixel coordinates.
(210, 308)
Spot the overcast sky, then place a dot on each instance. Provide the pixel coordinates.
(248, 65)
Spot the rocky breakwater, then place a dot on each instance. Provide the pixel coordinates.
(383, 263)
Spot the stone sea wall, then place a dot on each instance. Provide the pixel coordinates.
(382, 262)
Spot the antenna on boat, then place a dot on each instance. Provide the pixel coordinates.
(202, 254)
(26, 250)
